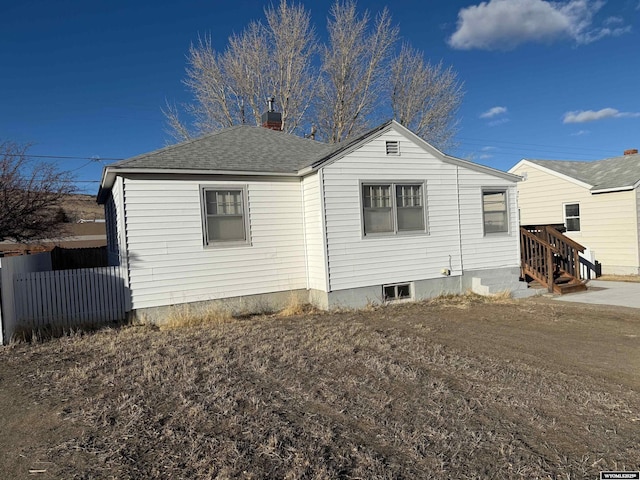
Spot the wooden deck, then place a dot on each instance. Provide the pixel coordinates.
(551, 259)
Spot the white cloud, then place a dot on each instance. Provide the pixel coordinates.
(592, 115)
(613, 21)
(488, 148)
(505, 24)
(494, 112)
(498, 121)
(580, 133)
(485, 156)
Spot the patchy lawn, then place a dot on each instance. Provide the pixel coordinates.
(453, 388)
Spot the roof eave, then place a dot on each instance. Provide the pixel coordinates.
(454, 160)
(550, 171)
(110, 173)
(482, 168)
(614, 189)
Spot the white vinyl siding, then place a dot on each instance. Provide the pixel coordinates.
(481, 251)
(608, 221)
(357, 261)
(111, 226)
(314, 236)
(169, 263)
(117, 239)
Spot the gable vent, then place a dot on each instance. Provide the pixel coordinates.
(393, 148)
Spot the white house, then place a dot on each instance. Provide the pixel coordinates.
(251, 216)
(598, 202)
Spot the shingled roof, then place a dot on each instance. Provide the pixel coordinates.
(610, 173)
(247, 150)
(239, 148)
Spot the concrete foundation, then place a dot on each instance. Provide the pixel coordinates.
(483, 282)
(237, 306)
(619, 270)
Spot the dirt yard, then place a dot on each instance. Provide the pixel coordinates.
(454, 388)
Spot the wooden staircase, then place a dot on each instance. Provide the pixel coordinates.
(551, 259)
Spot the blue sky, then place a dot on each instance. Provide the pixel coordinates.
(551, 80)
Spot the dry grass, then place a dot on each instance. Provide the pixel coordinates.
(390, 393)
(470, 299)
(181, 316)
(295, 306)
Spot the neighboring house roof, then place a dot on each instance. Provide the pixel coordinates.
(617, 173)
(251, 150)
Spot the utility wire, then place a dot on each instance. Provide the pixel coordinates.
(65, 157)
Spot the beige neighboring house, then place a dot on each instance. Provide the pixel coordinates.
(597, 201)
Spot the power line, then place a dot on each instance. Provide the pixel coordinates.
(66, 157)
(517, 144)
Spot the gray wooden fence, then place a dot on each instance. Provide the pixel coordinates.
(34, 296)
(67, 298)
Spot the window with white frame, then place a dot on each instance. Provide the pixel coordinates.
(391, 208)
(495, 212)
(400, 291)
(225, 219)
(572, 217)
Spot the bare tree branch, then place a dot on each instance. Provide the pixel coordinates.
(358, 78)
(291, 64)
(30, 195)
(231, 88)
(353, 70)
(425, 97)
(175, 127)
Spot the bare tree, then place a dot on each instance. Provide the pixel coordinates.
(353, 70)
(30, 196)
(425, 97)
(271, 59)
(358, 82)
(293, 43)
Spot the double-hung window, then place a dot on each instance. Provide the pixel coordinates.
(391, 208)
(225, 215)
(495, 213)
(572, 217)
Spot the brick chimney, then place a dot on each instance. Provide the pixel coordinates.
(631, 151)
(270, 118)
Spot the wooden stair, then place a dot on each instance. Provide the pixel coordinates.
(567, 284)
(551, 259)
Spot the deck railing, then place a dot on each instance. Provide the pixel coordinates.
(536, 257)
(546, 254)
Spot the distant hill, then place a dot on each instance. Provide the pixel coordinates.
(82, 207)
(75, 233)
